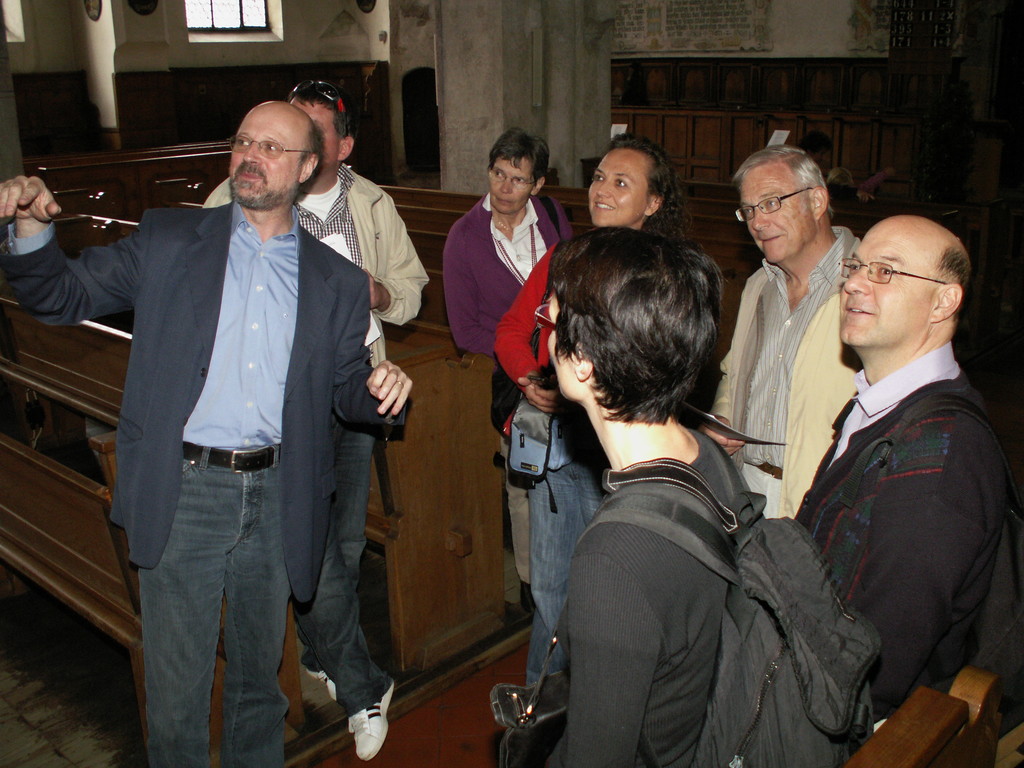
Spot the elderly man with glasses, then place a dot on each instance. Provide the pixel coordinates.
(908, 503)
(786, 376)
(357, 219)
(248, 332)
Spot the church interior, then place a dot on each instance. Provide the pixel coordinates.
(125, 105)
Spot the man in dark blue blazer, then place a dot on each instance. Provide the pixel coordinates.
(248, 331)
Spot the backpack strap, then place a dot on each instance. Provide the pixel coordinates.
(549, 206)
(916, 411)
(682, 518)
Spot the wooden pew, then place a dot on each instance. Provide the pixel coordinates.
(435, 502)
(125, 184)
(938, 730)
(55, 529)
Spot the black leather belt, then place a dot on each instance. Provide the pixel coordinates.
(237, 461)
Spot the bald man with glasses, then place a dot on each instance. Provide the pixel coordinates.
(786, 376)
(907, 505)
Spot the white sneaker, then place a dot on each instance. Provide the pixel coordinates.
(323, 678)
(370, 726)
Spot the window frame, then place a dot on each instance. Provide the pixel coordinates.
(240, 29)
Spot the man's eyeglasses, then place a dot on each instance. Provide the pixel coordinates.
(768, 205)
(880, 272)
(322, 88)
(271, 150)
(518, 182)
(543, 315)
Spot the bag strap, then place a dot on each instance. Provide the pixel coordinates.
(532, 702)
(549, 206)
(659, 507)
(915, 412)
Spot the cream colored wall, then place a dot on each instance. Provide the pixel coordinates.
(49, 43)
(60, 38)
(94, 41)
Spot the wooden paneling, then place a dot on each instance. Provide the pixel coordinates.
(696, 84)
(823, 86)
(869, 87)
(649, 125)
(54, 113)
(745, 135)
(735, 84)
(201, 105)
(145, 109)
(856, 147)
(779, 86)
(832, 84)
(658, 78)
(706, 149)
(710, 144)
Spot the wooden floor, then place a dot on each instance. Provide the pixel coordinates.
(66, 698)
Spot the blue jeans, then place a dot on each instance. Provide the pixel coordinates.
(329, 624)
(225, 542)
(561, 506)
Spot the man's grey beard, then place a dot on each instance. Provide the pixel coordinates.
(267, 200)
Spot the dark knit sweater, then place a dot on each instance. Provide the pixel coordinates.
(914, 553)
(641, 626)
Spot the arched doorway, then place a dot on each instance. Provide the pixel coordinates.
(419, 121)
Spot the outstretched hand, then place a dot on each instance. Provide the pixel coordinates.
(29, 202)
(391, 385)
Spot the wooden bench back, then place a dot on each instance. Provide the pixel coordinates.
(937, 730)
(55, 529)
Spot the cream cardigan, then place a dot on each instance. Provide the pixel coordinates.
(821, 385)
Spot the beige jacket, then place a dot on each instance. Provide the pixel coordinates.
(388, 253)
(821, 385)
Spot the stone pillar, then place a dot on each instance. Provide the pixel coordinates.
(10, 145)
(542, 65)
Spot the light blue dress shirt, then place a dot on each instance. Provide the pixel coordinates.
(242, 401)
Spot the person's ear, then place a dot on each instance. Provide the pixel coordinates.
(653, 204)
(345, 147)
(308, 167)
(583, 368)
(819, 200)
(947, 302)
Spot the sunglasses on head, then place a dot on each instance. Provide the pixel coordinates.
(321, 88)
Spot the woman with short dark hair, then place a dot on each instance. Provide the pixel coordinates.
(635, 319)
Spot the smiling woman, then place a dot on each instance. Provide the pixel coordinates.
(635, 187)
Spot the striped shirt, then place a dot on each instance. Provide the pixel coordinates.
(339, 218)
(768, 404)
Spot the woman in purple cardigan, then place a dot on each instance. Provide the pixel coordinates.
(488, 255)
